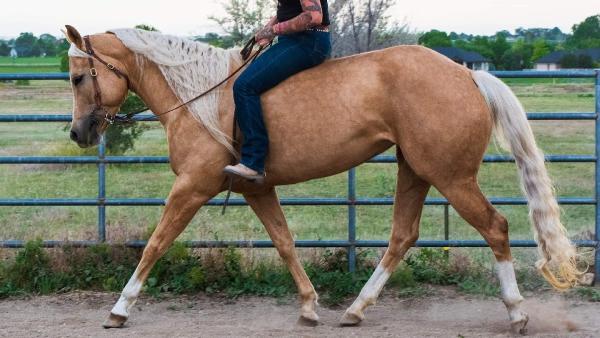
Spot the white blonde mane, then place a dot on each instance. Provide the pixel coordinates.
(190, 68)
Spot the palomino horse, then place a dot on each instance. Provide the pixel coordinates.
(322, 122)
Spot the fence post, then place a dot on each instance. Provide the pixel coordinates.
(597, 183)
(446, 227)
(101, 190)
(352, 220)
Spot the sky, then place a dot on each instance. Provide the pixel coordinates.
(185, 17)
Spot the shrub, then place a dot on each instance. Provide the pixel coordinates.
(182, 270)
(30, 270)
(120, 138)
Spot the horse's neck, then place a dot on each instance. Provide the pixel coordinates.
(150, 85)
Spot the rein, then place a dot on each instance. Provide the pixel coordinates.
(128, 118)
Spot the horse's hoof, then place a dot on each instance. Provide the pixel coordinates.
(520, 326)
(309, 319)
(114, 321)
(351, 319)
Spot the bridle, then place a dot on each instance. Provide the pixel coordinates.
(108, 118)
(128, 118)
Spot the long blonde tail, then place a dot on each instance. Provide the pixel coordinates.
(557, 254)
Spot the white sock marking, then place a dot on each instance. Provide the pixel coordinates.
(372, 289)
(128, 296)
(510, 290)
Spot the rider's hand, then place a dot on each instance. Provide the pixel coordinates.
(265, 35)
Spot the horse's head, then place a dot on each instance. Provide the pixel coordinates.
(99, 84)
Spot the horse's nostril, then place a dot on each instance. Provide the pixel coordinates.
(73, 135)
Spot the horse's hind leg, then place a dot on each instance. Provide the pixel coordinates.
(468, 200)
(183, 203)
(267, 208)
(408, 204)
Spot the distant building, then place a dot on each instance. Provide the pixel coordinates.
(552, 61)
(471, 60)
(13, 53)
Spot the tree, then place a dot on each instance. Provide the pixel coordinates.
(586, 34)
(585, 61)
(48, 44)
(216, 40)
(518, 56)
(146, 27)
(121, 137)
(499, 46)
(27, 45)
(244, 18)
(573, 60)
(435, 38)
(363, 25)
(479, 44)
(540, 49)
(4, 48)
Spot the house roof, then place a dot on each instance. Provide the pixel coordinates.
(458, 54)
(555, 57)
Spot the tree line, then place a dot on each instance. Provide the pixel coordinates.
(27, 44)
(364, 25)
(521, 50)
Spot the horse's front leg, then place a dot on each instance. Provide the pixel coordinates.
(182, 204)
(267, 208)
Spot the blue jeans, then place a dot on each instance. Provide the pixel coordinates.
(291, 54)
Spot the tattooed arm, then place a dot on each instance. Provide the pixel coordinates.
(266, 34)
(312, 15)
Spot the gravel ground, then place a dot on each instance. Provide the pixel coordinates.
(443, 314)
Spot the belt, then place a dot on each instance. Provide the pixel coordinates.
(319, 29)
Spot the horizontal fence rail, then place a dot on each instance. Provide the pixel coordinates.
(351, 201)
(302, 244)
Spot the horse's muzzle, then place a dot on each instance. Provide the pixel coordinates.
(85, 132)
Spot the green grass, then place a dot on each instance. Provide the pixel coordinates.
(4, 60)
(29, 64)
(528, 82)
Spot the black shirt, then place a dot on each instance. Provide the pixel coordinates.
(288, 9)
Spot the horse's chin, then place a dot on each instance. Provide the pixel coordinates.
(90, 142)
(84, 145)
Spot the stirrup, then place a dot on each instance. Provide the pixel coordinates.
(258, 179)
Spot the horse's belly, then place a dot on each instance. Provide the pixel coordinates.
(303, 153)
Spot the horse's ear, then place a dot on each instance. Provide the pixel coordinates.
(73, 36)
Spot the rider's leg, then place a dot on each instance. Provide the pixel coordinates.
(290, 55)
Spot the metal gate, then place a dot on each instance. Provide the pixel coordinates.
(351, 201)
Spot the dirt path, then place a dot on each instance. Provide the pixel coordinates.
(79, 314)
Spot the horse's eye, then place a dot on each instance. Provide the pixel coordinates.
(77, 80)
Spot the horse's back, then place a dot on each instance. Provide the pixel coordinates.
(342, 112)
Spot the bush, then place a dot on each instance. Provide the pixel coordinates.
(177, 271)
(120, 138)
(64, 61)
(30, 272)
(182, 270)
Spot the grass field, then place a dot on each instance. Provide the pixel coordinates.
(374, 180)
(29, 64)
